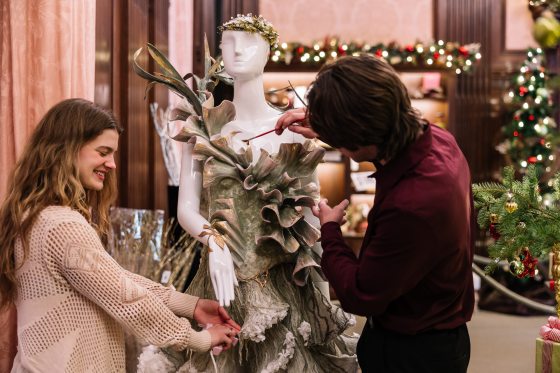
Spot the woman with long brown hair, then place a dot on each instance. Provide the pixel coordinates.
(72, 298)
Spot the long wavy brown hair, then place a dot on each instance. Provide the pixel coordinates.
(46, 174)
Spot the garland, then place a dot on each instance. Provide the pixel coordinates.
(447, 55)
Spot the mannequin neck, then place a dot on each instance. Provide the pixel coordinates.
(248, 98)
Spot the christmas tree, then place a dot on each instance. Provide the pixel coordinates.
(531, 135)
(522, 222)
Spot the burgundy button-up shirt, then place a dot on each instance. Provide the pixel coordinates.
(414, 269)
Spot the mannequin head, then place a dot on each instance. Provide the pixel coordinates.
(246, 42)
(244, 53)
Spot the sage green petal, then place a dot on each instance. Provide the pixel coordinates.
(286, 216)
(306, 232)
(286, 181)
(215, 118)
(304, 263)
(276, 239)
(215, 171)
(264, 166)
(274, 195)
(249, 183)
(204, 147)
(191, 128)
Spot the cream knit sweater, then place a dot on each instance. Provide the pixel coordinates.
(74, 301)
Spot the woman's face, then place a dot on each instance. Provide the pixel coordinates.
(96, 159)
(244, 53)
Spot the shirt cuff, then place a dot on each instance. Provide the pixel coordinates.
(182, 304)
(330, 231)
(200, 341)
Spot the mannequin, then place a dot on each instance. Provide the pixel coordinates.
(255, 221)
(244, 55)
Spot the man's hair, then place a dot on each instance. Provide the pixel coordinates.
(46, 174)
(361, 101)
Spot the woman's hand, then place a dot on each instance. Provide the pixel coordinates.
(221, 335)
(325, 213)
(222, 272)
(296, 121)
(210, 312)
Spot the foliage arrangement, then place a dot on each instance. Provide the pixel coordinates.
(531, 136)
(523, 223)
(439, 54)
(169, 77)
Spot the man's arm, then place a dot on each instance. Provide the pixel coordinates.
(389, 266)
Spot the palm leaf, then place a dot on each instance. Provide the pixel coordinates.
(177, 85)
(162, 61)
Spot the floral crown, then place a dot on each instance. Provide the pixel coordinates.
(253, 24)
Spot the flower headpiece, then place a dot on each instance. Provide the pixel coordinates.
(253, 24)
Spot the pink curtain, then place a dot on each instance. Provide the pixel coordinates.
(47, 54)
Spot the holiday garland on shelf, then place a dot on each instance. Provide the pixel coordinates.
(530, 136)
(439, 54)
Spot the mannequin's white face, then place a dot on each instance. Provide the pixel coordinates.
(245, 54)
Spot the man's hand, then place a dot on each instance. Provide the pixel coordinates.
(296, 121)
(325, 213)
(209, 312)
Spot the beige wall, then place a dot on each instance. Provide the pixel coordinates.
(403, 21)
(518, 26)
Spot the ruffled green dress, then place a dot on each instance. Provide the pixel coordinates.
(255, 202)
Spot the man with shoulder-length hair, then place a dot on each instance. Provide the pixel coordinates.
(412, 279)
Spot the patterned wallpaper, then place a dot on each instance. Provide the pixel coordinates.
(404, 21)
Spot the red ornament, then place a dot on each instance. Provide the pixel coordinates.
(515, 133)
(436, 55)
(531, 117)
(529, 264)
(516, 117)
(378, 52)
(300, 50)
(494, 232)
(532, 159)
(551, 284)
(409, 48)
(341, 51)
(463, 51)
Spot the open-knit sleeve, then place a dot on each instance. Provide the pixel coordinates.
(74, 254)
(181, 304)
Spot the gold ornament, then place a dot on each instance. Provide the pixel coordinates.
(516, 267)
(212, 232)
(511, 206)
(493, 218)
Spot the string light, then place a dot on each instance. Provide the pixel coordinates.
(443, 54)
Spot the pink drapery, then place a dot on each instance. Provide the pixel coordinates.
(47, 54)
